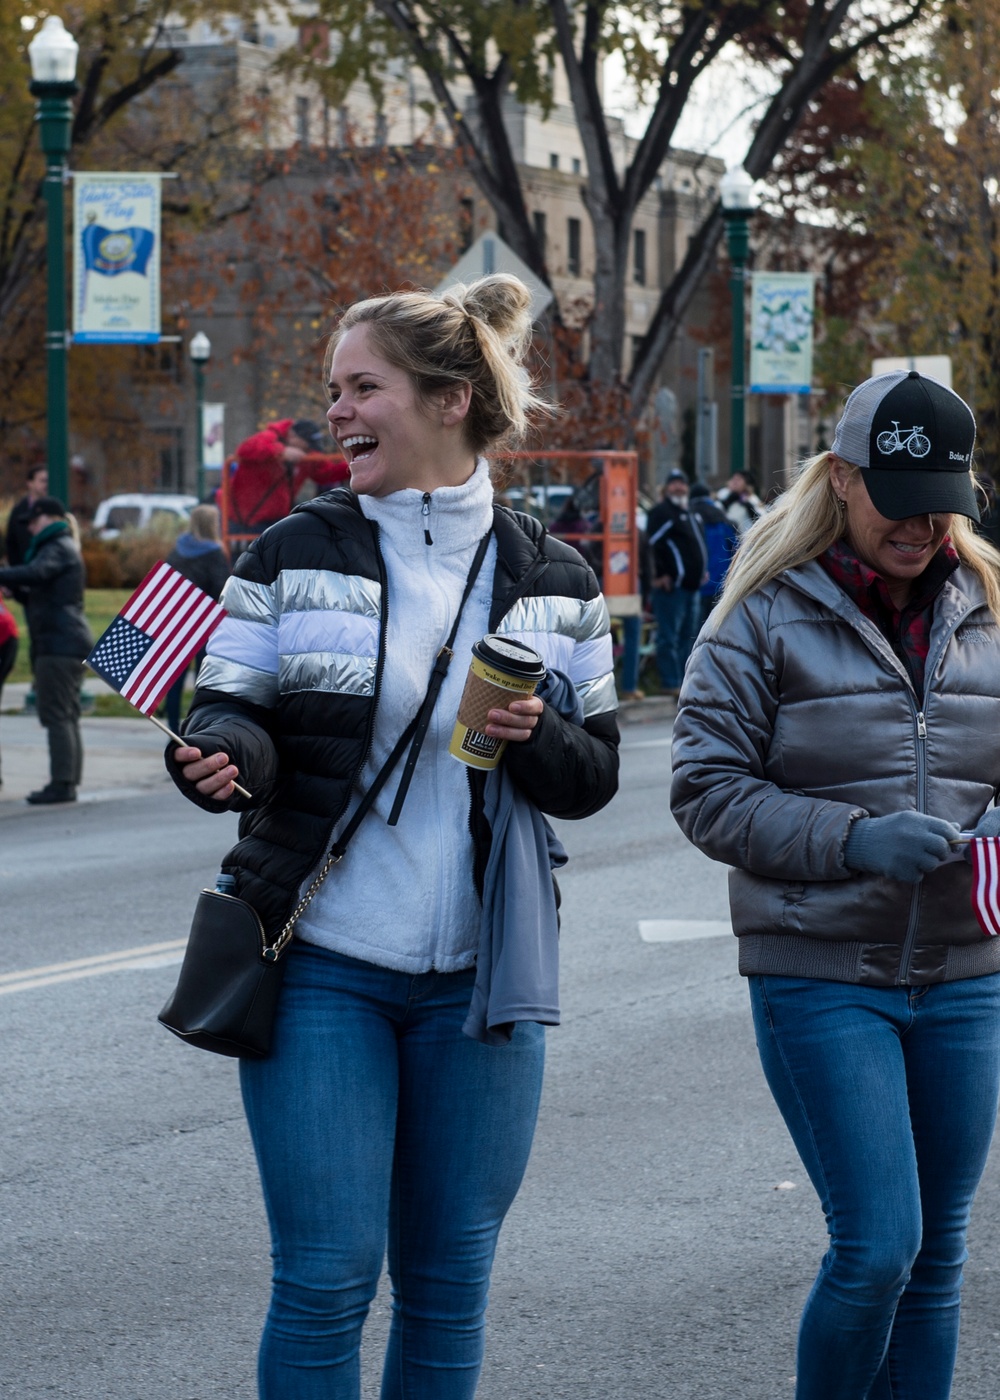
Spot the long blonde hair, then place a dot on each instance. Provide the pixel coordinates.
(806, 520)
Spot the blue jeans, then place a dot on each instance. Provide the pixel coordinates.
(678, 617)
(890, 1095)
(378, 1124)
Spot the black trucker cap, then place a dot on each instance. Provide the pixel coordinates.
(913, 439)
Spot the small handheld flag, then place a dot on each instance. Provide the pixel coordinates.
(986, 883)
(163, 625)
(166, 621)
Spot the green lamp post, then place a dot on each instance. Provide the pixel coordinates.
(200, 350)
(738, 204)
(53, 54)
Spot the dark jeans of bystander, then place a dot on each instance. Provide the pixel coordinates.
(57, 694)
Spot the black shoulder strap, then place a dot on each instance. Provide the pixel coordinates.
(438, 673)
(416, 730)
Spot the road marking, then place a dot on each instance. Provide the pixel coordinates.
(127, 959)
(683, 930)
(647, 744)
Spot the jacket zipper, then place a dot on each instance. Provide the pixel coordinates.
(920, 726)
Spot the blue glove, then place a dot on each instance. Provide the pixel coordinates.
(903, 846)
(987, 825)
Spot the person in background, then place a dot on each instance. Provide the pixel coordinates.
(8, 648)
(839, 726)
(50, 584)
(721, 539)
(273, 465)
(679, 568)
(199, 556)
(18, 535)
(739, 499)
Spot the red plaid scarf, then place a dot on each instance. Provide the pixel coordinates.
(907, 629)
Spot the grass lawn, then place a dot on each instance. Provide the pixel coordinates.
(101, 605)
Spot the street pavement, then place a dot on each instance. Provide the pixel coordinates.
(665, 1237)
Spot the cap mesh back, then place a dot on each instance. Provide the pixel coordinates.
(853, 436)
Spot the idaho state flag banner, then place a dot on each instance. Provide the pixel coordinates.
(986, 883)
(163, 625)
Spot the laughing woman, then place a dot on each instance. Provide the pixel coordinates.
(839, 724)
(379, 1123)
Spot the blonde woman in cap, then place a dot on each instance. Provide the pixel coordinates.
(390, 1116)
(839, 726)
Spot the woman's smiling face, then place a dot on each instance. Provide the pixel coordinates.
(392, 438)
(899, 550)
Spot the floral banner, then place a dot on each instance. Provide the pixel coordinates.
(781, 332)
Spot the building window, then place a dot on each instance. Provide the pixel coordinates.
(576, 165)
(573, 247)
(538, 219)
(553, 161)
(636, 342)
(343, 127)
(381, 129)
(639, 256)
(168, 444)
(302, 120)
(466, 223)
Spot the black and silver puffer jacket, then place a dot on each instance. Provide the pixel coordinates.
(298, 722)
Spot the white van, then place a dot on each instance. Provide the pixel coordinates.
(137, 510)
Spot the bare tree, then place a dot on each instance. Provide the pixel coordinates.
(504, 51)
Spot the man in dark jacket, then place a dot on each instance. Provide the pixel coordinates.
(679, 568)
(18, 534)
(50, 584)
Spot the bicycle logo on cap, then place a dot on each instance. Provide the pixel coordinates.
(915, 440)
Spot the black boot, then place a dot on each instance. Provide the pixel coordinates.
(52, 792)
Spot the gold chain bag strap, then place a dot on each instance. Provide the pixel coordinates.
(227, 992)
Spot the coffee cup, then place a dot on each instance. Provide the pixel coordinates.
(501, 670)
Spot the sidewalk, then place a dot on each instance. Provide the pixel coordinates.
(121, 758)
(124, 757)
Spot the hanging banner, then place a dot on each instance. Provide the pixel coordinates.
(116, 257)
(213, 423)
(781, 332)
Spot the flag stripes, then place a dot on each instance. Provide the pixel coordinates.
(986, 883)
(166, 621)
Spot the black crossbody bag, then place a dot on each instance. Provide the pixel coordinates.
(227, 992)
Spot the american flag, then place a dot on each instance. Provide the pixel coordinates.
(986, 883)
(151, 641)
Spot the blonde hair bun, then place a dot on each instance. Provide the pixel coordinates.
(503, 303)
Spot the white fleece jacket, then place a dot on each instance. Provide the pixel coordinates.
(403, 897)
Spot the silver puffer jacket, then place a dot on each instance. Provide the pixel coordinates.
(796, 719)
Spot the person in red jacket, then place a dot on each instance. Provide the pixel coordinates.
(8, 645)
(272, 466)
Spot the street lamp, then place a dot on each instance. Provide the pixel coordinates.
(53, 81)
(200, 350)
(738, 204)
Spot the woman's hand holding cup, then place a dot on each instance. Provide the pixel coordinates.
(213, 776)
(516, 723)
